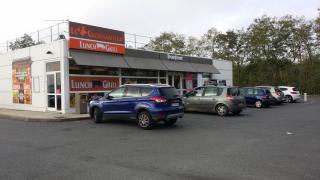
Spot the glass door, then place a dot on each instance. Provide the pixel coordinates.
(54, 91)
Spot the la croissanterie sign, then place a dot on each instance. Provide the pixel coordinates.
(93, 38)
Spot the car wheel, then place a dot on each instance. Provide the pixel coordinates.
(222, 110)
(170, 122)
(258, 104)
(288, 99)
(97, 115)
(145, 120)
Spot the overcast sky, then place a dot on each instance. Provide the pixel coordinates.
(146, 17)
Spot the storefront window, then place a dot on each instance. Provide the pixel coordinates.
(93, 70)
(138, 72)
(138, 81)
(163, 74)
(163, 81)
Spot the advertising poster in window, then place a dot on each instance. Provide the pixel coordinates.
(21, 82)
(189, 83)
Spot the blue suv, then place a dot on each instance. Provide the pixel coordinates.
(146, 103)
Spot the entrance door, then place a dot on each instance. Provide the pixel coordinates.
(175, 80)
(54, 91)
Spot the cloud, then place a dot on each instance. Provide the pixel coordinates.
(147, 17)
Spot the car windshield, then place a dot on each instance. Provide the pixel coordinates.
(169, 92)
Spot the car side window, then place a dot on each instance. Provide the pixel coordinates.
(211, 91)
(258, 92)
(133, 92)
(243, 91)
(197, 92)
(283, 89)
(145, 91)
(117, 92)
(250, 91)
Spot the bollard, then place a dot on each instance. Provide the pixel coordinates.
(305, 99)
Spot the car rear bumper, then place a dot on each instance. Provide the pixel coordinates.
(169, 114)
(237, 108)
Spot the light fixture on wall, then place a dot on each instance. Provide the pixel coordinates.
(49, 52)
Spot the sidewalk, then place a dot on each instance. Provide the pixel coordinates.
(34, 116)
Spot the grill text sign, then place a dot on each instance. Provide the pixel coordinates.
(91, 83)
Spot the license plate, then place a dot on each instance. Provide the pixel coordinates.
(175, 104)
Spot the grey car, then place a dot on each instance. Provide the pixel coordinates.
(215, 99)
(276, 93)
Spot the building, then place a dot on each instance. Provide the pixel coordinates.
(225, 77)
(65, 74)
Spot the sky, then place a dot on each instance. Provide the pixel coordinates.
(146, 17)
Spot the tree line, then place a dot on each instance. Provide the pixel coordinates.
(270, 51)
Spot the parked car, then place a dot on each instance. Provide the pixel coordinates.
(276, 93)
(216, 99)
(258, 97)
(146, 103)
(291, 94)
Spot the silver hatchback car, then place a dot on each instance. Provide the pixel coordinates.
(216, 99)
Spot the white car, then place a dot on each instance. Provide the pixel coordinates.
(291, 94)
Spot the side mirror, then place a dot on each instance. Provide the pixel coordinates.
(108, 97)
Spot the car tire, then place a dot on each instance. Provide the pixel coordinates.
(170, 122)
(288, 99)
(144, 120)
(222, 110)
(97, 115)
(258, 104)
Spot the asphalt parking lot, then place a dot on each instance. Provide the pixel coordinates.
(281, 142)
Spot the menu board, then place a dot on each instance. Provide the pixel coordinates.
(21, 82)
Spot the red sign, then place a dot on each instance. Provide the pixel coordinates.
(88, 83)
(85, 31)
(93, 38)
(96, 46)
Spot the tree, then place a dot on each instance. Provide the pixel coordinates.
(271, 50)
(168, 42)
(25, 41)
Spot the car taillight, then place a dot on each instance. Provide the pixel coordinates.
(293, 92)
(229, 98)
(158, 99)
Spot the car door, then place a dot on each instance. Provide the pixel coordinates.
(192, 99)
(209, 99)
(110, 106)
(128, 103)
(250, 97)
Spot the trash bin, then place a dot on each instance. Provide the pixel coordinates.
(81, 103)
